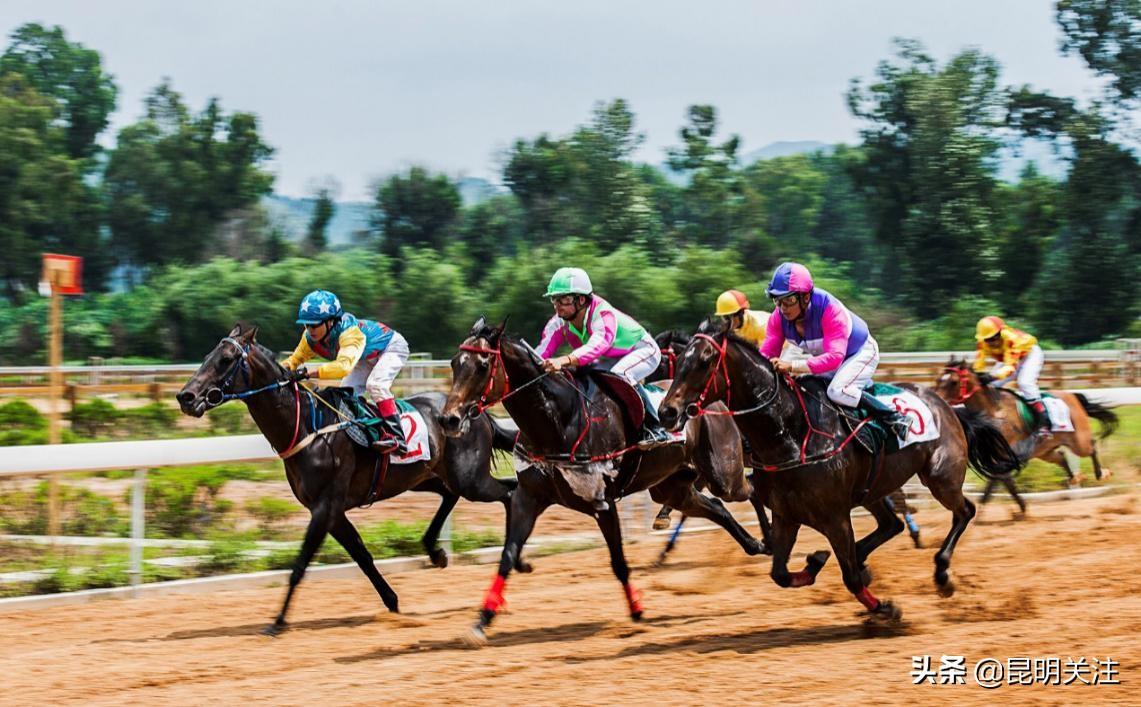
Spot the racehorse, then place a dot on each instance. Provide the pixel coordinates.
(580, 452)
(813, 475)
(959, 384)
(329, 473)
(672, 343)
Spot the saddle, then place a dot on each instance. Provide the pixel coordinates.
(596, 383)
(840, 421)
(1024, 410)
(366, 427)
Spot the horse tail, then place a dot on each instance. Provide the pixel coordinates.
(987, 450)
(1104, 415)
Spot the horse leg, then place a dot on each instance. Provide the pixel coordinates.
(320, 521)
(521, 565)
(1008, 481)
(988, 491)
(843, 541)
(783, 538)
(681, 494)
(346, 534)
(611, 529)
(525, 510)
(431, 537)
(908, 519)
(1099, 472)
(888, 525)
(662, 519)
(671, 542)
(1070, 465)
(962, 511)
(763, 521)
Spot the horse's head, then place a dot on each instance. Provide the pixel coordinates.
(478, 377)
(235, 364)
(958, 382)
(700, 375)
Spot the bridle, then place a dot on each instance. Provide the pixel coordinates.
(485, 399)
(965, 378)
(718, 376)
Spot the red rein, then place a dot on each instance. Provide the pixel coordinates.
(965, 393)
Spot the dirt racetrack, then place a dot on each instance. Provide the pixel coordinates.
(717, 630)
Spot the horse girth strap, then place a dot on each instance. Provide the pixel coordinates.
(308, 439)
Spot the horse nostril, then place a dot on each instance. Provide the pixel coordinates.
(184, 397)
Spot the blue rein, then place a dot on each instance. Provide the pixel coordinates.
(218, 395)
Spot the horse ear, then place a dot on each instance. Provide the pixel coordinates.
(251, 334)
(236, 331)
(503, 324)
(479, 325)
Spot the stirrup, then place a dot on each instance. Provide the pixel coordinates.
(652, 438)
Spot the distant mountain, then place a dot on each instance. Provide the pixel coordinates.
(474, 190)
(784, 149)
(292, 215)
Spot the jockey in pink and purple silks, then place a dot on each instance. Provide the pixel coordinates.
(602, 336)
(837, 341)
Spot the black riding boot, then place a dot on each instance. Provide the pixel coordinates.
(1041, 418)
(898, 423)
(392, 441)
(653, 434)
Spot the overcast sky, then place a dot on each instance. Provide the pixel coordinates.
(359, 89)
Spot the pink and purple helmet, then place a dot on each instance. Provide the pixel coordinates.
(789, 278)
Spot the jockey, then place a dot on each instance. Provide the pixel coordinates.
(837, 341)
(603, 336)
(744, 322)
(1019, 357)
(364, 354)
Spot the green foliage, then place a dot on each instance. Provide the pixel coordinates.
(151, 420)
(270, 514)
(173, 178)
(229, 420)
(81, 511)
(185, 502)
(417, 210)
(20, 423)
(323, 210)
(1107, 35)
(95, 418)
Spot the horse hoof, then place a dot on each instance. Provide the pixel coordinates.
(661, 561)
(636, 616)
(273, 630)
(765, 549)
(817, 560)
(915, 539)
(1105, 474)
(524, 567)
(886, 613)
(661, 523)
(946, 588)
(475, 637)
(439, 559)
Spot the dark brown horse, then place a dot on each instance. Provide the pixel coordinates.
(813, 477)
(960, 385)
(331, 474)
(580, 452)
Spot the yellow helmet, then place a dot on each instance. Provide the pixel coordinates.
(988, 327)
(731, 302)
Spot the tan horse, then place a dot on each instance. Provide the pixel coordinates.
(959, 384)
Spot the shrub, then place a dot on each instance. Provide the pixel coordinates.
(270, 514)
(95, 418)
(153, 420)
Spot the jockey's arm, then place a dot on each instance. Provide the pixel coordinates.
(350, 348)
(552, 338)
(300, 355)
(774, 337)
(599, 342)
(980, 364)
(836, 327)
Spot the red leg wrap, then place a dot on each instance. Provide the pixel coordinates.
(494, 600)
(802, 578)
(866, 598)
(634, 599)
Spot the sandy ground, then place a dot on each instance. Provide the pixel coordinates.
(1062, 583)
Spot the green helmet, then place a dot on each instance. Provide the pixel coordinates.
(569, 281)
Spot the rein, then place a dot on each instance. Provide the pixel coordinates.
(670, 358)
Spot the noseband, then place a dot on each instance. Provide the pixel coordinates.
(965, 392)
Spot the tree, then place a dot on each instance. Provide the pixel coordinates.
(928, 177)
(1107, 35)
(71, 76)
(324, 206)
(174, 178)
(45, 205)
(714, 195)
(417, 210)
(490, 230)
(1032, 215)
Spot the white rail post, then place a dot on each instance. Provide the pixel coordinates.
(138, 502)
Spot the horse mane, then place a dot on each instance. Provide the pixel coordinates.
(670, 337)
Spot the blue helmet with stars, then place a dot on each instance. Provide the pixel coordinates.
(319, 306)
